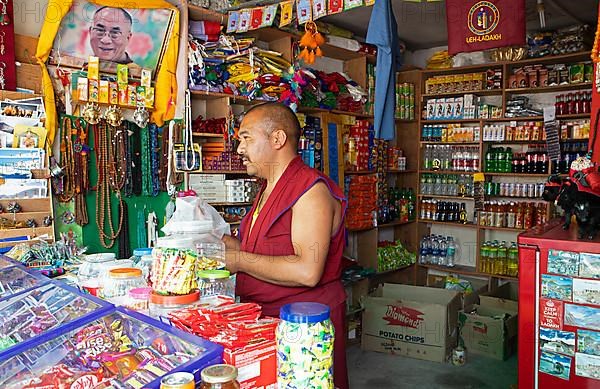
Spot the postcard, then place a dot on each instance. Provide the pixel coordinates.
(586, 291)
(557, 341)
(555, 364)
(582, 316)
(589, 265)
(587, 366)
(556, 287)
(563, 262)
(588, 342)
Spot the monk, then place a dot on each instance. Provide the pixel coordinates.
(291, 242)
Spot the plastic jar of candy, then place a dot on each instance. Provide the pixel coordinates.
(139, 253)
(119, 282)
(210, 255)
(219, 377)
(215, 283)
(305, 346)
(138, 299)
(145, 265)
(160, 306)
(94, 269)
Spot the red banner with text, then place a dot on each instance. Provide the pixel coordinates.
(479, 25)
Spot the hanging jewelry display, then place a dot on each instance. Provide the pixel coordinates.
(154, 160)
(67, 160)
(91, 113)
(113, 116)
(4, 16)
(136, 159)
(109, 141)
(124, 250)
(128, 189)
(141, 117)
(150, 161)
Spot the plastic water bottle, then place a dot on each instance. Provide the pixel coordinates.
(450, 252)
(435, 250)
(442, 261)
(423, 251)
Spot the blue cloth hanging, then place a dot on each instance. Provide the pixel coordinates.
(383, 32)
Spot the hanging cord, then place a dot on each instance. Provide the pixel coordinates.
(594, 136)
(141, 227)
(171, 188)
(187, 134)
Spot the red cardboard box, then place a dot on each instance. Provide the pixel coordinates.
(257, 364)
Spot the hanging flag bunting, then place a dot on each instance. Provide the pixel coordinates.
(244, 22)
(319, 9)
(269, 13)
(371, 2)
(232, 22)
(256, 18)
(349, 4)
(303, 11)
(335, 6)
(479, 25)
(286, 13)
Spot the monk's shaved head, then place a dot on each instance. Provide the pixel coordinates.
(276, 116)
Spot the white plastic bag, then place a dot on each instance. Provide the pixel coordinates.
(195, 216)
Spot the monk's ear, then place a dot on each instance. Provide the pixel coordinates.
(278, 139)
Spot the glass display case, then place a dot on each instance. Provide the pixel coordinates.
(31, 317)
(5, 262)
(16, 279)
(121, 349)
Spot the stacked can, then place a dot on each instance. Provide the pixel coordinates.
(405, 100)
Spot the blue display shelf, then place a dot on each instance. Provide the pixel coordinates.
(114, 344)
(16, 279)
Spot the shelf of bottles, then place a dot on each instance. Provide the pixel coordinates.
(499, 258)
(437, 250)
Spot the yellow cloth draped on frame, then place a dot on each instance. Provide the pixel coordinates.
(166, 81)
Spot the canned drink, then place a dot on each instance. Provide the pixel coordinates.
(511, 190)
(497, 189)
(180, 380)
(518, 190)
(539, 190)
(503, 189)
(531, 190)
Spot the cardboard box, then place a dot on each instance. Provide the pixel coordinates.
(505, 297)
(467, 299)
(257, 364)
(488, 330)
(413, 321)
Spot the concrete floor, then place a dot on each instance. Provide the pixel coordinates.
(371, 370)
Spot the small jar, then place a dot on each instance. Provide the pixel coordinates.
(160, 306)
(145, 264)
(119, 282)
(215, 283)
(138, 299)
(219, 377)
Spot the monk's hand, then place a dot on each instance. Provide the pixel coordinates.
(232, 258)
(231, 243)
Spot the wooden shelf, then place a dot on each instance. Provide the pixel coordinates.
(200, 13)
(458, 269)
(539, 118)
(451, 224)
(37, 231)
(106, 105)
(550, 59)
(406, 120)
(27, 205)
(449, 143)
(386, 272)
(504, 277)
(359, 172)
(484, 92)
(227, 204)
(451, 121)
(447, 172)
(447, 197)
(408, 171)
(550, 89)
(220, 172)
(516, 142)
(517, 175)
(207, 135)
(395, 223)
(502, 229)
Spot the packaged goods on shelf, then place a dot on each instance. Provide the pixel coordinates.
(438, 250)
(477, 81)
(310, 146)
(566, 40)
(446, 184)
(519, 106)
(455, 158)
(362, 204)
(451, 133)
(513, 215)
(499, 258)
(542, 76)
(405, 100)
(503, 160)
(358, 145)
(330, 91)
(393, 255)
(444, 211)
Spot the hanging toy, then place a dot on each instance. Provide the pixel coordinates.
(141, 117)
(310, 43)
(113, 116)
(91, 113)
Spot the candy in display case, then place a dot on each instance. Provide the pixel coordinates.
(16, 279)
(122, 349)
(31, 317)
(5, 262)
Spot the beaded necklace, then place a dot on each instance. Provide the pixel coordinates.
(81, 150)
(107, 180)
(154, 160)
(67, 161)
(145, 162)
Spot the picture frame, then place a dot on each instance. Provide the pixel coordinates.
(137, 37)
